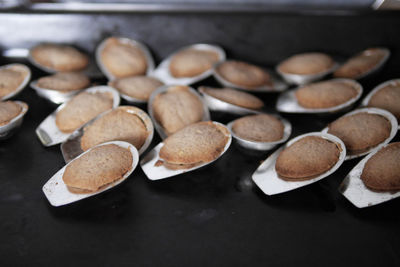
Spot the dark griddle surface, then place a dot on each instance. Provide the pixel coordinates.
(214, 216)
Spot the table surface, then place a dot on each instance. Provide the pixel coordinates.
(214, 216)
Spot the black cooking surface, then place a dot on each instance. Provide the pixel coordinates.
(214, 216)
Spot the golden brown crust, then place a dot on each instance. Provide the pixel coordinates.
(325, 94)
(8, 111)
(172, 166)
(116, 125)
(197, 143)
(78, 190)
(244, 74)
(306, 64)
(192, 62)
(387, 98)
(382, 171)
(307, 158)
(259, 128)
(177, 108)
(360, 63)
(10, 80)
(64, 81)
(123, 59)
(139, 87)
(59, 57)
(361, 131)
(235, 97)
(100, 166)
(81, 109)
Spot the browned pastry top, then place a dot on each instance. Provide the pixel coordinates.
(361, 131)
(64, 81)
(81, 109)
(97, 168)
(325, 94)
(259, 128)
(235, 97)
(59, 57)
(177, 108)
(382, 171)
(117, 125)
(307, 158)
(306, 64)
(192, 62)
(197, 143)
(8, 111)
(360, 63)
(123, 59)
(10, 80)
(387, 98)
(244, 74)
(139, 87)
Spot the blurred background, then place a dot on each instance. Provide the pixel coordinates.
(221, 5)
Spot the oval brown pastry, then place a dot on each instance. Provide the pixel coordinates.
(139, 87)
(387, 98)
(361, 63)
(116, 125)
(259, 128)
(192, 62)
(64, 81)
(177, 108)
(123, 59)
(8, 111)
(10, 79)
(198, 143)
(59, 57)
(81, 109)
(234, 97)
(325, 94)
(97, 168)
(361, 131)
(306, 64)
(307, 158)
(382, 171)
(244, 74)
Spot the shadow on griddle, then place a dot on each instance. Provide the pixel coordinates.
(384, 212)
(111, 205)
(230, 173)
(322, 195)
